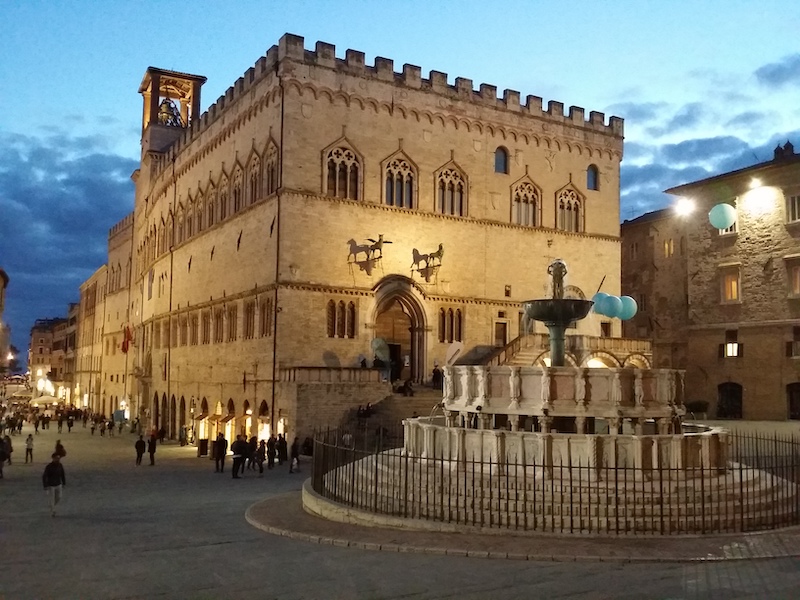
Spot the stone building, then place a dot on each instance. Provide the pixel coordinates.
(322, 205)
(740, 294)
(89, 351)
(117, 329)
(654, 273)
(45, 358)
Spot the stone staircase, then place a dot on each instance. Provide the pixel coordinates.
(393, 409)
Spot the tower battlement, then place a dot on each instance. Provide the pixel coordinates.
(291, 48)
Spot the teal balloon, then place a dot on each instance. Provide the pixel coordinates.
(629, 308)
(722, 216)
(598, 300)
(612, 306)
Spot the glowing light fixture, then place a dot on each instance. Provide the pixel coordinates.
(754, 183)
(684, 206)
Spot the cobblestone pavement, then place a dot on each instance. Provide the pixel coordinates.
(177, 530)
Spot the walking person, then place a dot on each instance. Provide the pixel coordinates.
(60, 422)
(70, 423)
(294, 461)
(29, 448)
(54, 480)
(261, 456)
(9, 448)
(239, 448)
(220, 450)
(36, 422)
(151, 449)
(252, 449)
(139, 445)
(94, 426)
(271, 451)
(282, 449)
(60, 450)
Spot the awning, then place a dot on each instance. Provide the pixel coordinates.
(227, 418)
(214, 417)
(201, 416)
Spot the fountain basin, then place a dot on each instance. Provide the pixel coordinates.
(558, 310)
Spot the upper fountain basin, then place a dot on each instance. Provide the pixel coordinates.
(558, 310)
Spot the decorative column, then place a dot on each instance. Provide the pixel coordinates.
(638, 426)
(663, 426)
(580, 425)
(614, 425)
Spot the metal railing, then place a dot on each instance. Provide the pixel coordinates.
(369, 471)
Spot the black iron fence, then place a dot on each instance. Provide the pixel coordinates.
(757, 490)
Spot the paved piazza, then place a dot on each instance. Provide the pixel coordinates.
(178, 530)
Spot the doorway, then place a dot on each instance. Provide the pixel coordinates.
(400, 320)
(729, 400)
(500, 334)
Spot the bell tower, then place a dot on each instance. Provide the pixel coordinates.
(171, 102)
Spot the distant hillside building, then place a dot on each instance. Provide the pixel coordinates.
(44, 363)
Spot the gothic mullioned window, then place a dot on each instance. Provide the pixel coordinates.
(250, 320)
(341, 319)
(526, 205)
(400, 182)
(265, 317)
(222, 200)
(271, 170)
(451, 192)
(254, 180)
(189, 227)
(198, 214)
(570, 210)
(211, 210)
(237, 193)
(451, 325)
(179, 230)
(343, 173)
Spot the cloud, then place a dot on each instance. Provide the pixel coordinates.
(638, 112)
(778, 74)
(59, 195)
(702, 150)
(687, 117)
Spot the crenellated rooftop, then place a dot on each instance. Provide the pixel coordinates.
(126, 221)
(292, 48)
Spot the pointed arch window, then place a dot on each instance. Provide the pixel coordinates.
(343, 173)
(341, 319)
(254, 181)
(179, 229)
(501, 160)
(526, 205)
(400, 182)
(237, 193)
(570, 211)
(189, 227)
(211, 210)
(222, 200)
(271, 170)
(592, 178)
(198, 215)
(451, 192)
(451, 325)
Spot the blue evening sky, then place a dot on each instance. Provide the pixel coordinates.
(703, 87)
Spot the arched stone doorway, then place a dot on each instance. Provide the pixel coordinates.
(399, 318)
(182, 419)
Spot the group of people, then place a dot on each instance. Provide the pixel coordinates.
(252, 454)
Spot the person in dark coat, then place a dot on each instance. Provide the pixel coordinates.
(220, 450)
(271, 451)
(239, 448)
(60, 450)
(252, 448)
(139, 445)
(53, 480)
(261, 456)
(151, 448)
(283, 454)
(294, 459)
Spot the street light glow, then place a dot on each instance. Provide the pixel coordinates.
(754, 183)
(684, 207)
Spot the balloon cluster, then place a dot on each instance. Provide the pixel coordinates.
(623, 307)
(722, 216)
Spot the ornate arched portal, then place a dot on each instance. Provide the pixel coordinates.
(399, 318)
